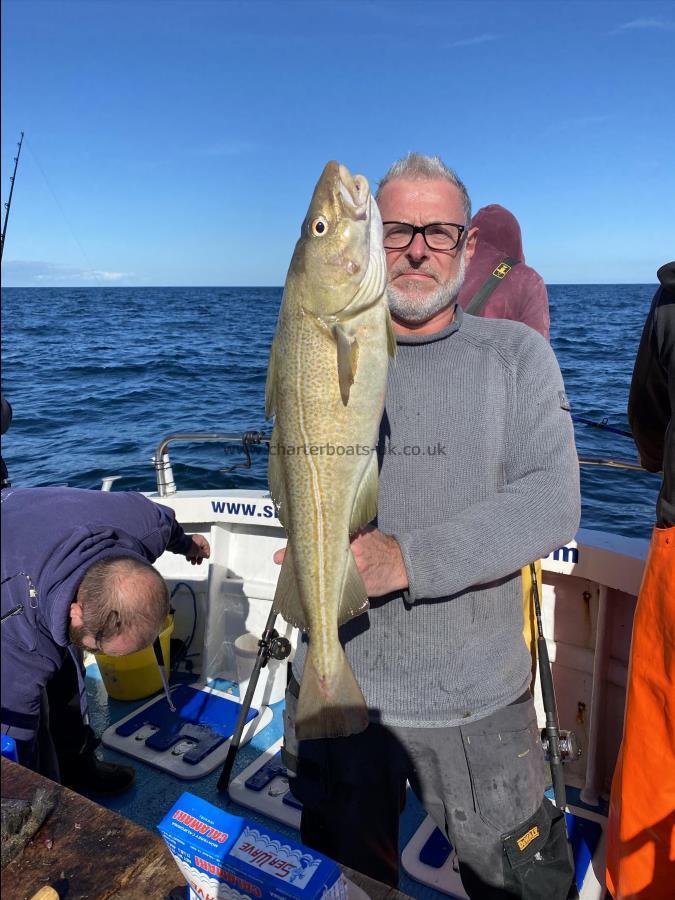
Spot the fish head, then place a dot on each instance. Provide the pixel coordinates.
(339, 257)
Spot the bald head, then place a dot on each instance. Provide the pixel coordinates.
(120, 607)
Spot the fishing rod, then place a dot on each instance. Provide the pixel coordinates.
(602, 424)
(558, 746)
(9, 199)
(271, 645)
(612, 463)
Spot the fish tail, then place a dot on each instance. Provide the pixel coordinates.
(342, 713)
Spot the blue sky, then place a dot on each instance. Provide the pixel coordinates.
(178, 143)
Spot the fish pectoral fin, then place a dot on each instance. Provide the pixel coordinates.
(365, 502)
(286, 596)
(347, 360)
(391, 337)
(354, 599)
(271, 384)
(338, 714)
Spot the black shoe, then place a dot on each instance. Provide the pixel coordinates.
(95, 776)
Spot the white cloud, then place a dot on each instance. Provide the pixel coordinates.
(23, 273)
(644, 25)
(471, 42)
(106, 276)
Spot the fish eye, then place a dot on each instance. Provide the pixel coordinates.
(318, 226)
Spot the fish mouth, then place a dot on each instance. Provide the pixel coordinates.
(355, 193)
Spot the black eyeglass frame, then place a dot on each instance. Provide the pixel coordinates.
(421, 229)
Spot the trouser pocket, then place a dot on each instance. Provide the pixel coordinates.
(538, 857)
(506, 765)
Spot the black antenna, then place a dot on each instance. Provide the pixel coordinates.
(9, 201)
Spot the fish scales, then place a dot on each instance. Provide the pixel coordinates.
(326, 385)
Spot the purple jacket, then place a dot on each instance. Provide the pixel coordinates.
(522, 294)
(50, 537)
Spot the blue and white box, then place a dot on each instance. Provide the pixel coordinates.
(226, 857)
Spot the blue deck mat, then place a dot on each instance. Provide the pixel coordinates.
(204, 718)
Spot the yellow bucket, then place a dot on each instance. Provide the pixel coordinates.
(137, 675)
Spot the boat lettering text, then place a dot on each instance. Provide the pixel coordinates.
(235, 508)
(566, 554)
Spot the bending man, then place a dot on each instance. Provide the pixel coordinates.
(76, 575)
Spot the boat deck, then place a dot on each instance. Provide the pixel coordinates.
(155, 791)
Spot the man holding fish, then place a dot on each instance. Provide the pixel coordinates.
(415, 669)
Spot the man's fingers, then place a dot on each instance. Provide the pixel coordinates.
(203, 545)
(279, 556)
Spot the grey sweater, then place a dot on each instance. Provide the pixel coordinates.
(479, 476)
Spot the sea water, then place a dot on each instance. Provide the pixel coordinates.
(98, 376)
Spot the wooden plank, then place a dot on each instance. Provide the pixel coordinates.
(99, 852)
(103, 855)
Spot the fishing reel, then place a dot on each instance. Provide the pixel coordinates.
(570, 748)
(275, 647)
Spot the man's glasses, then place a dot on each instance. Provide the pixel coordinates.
(437, 235)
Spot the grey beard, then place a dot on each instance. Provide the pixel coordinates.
(415, 309)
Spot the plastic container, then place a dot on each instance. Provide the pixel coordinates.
(271, 686)
(9, 748)
(136, 676)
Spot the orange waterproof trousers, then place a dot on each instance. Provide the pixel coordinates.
(641, 827)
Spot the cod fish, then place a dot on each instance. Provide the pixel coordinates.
(326, 383)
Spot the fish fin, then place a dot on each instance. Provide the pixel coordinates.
(271, 384)
(286, 596)
(365, 503)
(354, 599)
(391, 337)
(343, 713)
(275, 477)
(347, 361)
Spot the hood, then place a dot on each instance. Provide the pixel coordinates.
(500, 229)
(498, 237)
(666, 276)
(68, 565)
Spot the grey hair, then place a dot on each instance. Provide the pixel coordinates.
(123, 594)
(417, 167)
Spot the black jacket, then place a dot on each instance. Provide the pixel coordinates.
(5, 423)
(651, 402)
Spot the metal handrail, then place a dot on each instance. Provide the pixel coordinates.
(163, 471)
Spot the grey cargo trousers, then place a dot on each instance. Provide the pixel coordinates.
(482, 783)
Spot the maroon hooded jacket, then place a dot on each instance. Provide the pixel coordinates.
(521, 296)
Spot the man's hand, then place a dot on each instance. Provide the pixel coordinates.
(379, 560)
(199, 549)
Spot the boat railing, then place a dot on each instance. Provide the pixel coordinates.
(166, 484)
